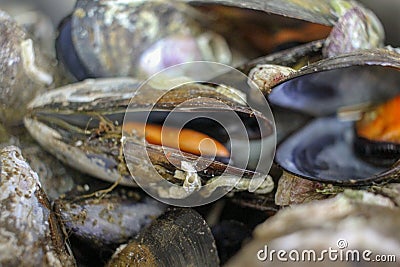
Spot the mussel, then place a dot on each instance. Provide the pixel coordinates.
(29, 231)
(377, 133)
(331, 91)
(190, 138)
(140, 38)
(135, 38)
(24, 70)
(180, 237)
(351, 26)
(88, 125)
(100, 225)
(344, 227)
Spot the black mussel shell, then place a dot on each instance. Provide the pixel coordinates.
(180, 237)
(381, 121)
(320, 89)
(229, 237)
(67, 54)
(109, 221)
(323, 151)
(92, 42)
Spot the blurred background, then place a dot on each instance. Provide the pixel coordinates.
(386, 10)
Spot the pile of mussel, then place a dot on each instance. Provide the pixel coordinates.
(78, 137)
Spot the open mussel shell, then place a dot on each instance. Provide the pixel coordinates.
(81, 124)
(356, 78)
(275, 25)
(287, 24)
(333, 90)
(219, 112)
(377, 152)
(322, 12)
(323, 151)
(65, 120)
(180, 237)
(134, 38)
(93, 40)
(325, 12)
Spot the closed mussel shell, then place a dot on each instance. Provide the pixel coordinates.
(110, 220)
(180, 237)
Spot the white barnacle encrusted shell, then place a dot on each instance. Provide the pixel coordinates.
(266, 76)
(352, 221)
(26, 221)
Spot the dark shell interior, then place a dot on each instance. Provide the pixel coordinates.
(327, 149)
(324, 92)
(327, 156)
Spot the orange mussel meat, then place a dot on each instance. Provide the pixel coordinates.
(186, 140)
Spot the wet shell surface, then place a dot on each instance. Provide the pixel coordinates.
(55, 178)
(110, 96)
(354, 26)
